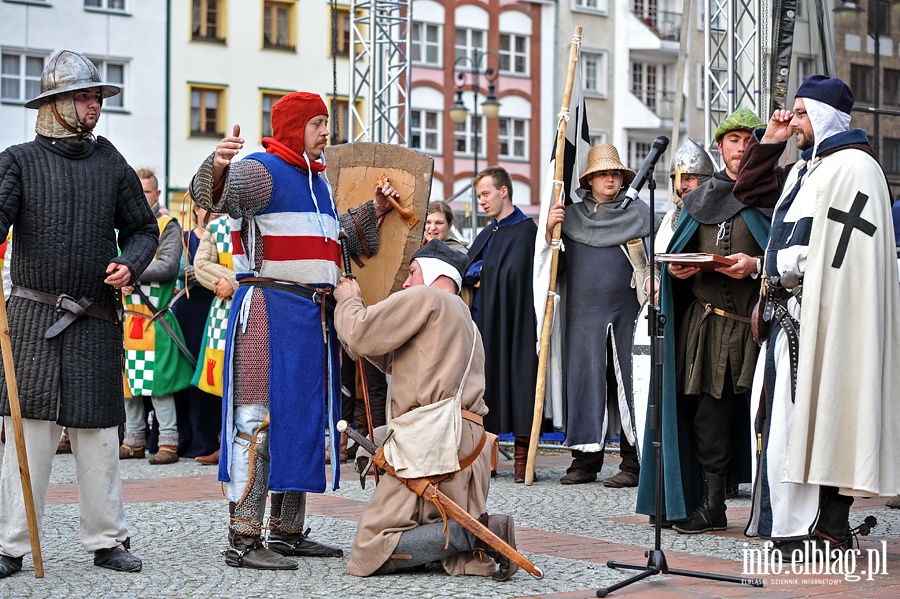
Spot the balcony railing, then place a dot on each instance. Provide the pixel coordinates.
(666, 24)
(662, 103)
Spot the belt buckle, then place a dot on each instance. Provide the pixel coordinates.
(59, 300)
(317, 298)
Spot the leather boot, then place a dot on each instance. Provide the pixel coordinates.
(520, 459)
(502, 526)
(286, 534)
(248, 551)
(167, 454)
(118, 558)
(9, 565)
(344, 440)
(710, 514)
(834, 520)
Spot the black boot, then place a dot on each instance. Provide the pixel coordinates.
(118, 558)
(287, 536)
(502, 526)
(9, 565)
(834, 518)
(710, 514)
(248, 550)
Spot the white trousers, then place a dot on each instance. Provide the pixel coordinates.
(96, 453)
(247, 418)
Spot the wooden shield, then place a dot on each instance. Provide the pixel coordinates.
(354, 170)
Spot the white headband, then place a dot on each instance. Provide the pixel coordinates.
(432, 268)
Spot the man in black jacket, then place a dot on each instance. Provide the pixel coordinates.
(68, 194)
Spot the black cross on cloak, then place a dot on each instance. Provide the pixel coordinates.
(851, 220)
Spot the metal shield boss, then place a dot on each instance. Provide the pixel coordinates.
(354, 170)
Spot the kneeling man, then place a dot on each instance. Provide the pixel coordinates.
(425, 338)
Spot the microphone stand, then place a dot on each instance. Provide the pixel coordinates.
(656, 562)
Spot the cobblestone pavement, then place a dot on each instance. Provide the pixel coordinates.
(178, 518)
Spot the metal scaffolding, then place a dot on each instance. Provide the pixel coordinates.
(379, 71)
(734, 62)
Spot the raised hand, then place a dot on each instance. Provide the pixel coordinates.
(226, 150)
(779, 129)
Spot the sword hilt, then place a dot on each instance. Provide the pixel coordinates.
(354, 434)
(345, 254)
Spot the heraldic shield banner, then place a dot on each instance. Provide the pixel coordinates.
(354, 171)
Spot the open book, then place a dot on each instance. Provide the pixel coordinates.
(704, 261)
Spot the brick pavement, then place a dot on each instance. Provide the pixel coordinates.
(582, 548)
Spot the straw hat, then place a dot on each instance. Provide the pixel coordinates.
(605, 158)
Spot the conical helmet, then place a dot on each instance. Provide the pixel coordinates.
(68, 71)
(693, 159)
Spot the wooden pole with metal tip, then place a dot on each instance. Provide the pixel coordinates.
(19, 435)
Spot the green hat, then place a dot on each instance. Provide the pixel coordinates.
(742, 119)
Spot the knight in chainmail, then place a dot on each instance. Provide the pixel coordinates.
(708, 347)
(281, 372)
(691, 168)
(75, 204)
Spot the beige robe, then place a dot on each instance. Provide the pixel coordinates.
(422, 337)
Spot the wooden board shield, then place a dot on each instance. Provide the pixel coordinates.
(353, 170)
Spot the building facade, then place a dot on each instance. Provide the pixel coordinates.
(127, 42)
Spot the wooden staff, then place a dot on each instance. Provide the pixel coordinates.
(541, 385)
(19, 434)
(348, 272)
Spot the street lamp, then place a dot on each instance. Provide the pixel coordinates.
(469, 67)
(847, 14)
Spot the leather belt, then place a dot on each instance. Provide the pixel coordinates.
(70, 308)
(710, 309)
(318, 295)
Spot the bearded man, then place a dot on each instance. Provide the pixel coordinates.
(83, 231)
(282, 374)
(828, 425)
(709, 351)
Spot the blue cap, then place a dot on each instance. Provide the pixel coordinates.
(828, 90)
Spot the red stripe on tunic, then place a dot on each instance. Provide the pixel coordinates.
(237, 247)
(284, 247)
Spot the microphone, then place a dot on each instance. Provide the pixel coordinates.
(659, 146)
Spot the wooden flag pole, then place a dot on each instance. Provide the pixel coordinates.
(541, 385)
(19, 434)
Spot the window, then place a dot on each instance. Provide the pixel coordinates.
(113, 73)
(206, 112)
(339, 121)
(594, 72)
(595, 6)
(471, 43)
(464, 136)
(513, 138)
(116, 5)
(861, 82)
(891, 87)
(20, 76)
(278, 21)
(805, 66)
(207, 21)
(513, 54)
(268, 100)
(649, 82)
(425, 130)
(597, 138)
(890, 155)
(343, 34)
(637, 152)
(425, 44)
